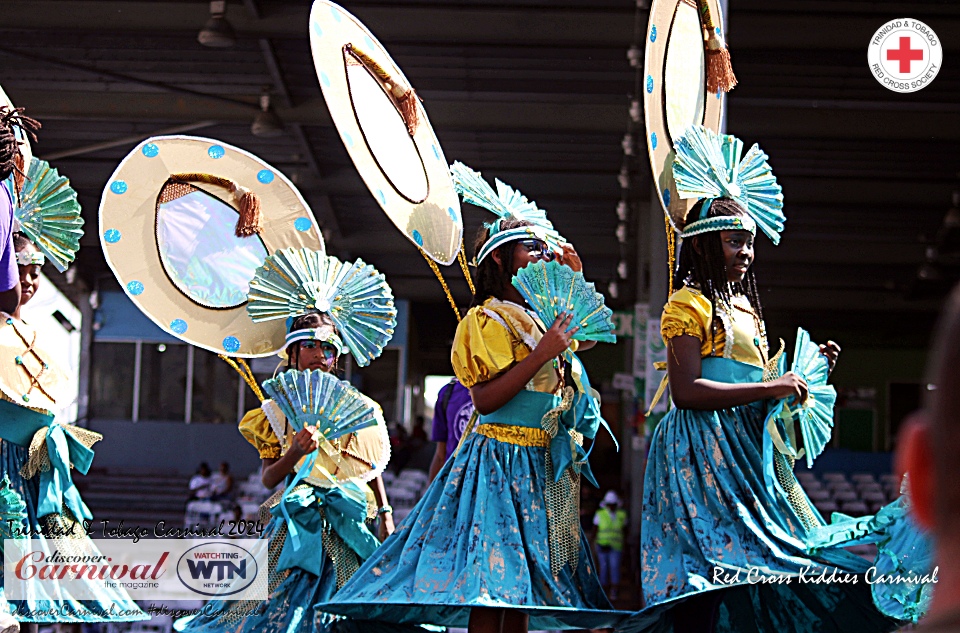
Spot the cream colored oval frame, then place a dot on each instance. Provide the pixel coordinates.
(434, 225)
(659, 141)
(128, 236)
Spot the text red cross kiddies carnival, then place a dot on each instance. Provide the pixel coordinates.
(905, 54)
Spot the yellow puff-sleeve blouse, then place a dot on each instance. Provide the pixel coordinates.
(689, 313)
(494, 337)
(255, 428)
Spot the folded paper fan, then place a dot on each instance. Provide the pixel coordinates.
(815, 416)
(49, 213)
(709, 165)
(551, 288)
(293, 282)
(316, 398)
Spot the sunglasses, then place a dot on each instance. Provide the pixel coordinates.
(329, 350)
(538, 249)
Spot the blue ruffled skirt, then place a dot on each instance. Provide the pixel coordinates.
(109, 606)
(478, 538)
(711, 523)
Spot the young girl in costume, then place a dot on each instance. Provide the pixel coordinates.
(728, 536)
(495, 545)
(51, 510)
(311, 572)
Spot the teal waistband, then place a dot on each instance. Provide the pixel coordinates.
(729, 370)
(18, 424)
(527, 408)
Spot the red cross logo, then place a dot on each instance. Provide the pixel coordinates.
(905, 55)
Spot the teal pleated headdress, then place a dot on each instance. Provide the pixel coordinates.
(293, 282)
(507, 204)
(709, 165)
(49, 215)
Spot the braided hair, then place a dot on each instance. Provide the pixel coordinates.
(707, 269)
(492, 279)
(11, 159)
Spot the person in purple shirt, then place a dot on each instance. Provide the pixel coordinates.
(451, 414)
(11, 163)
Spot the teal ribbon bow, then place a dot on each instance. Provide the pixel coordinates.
(344, 511)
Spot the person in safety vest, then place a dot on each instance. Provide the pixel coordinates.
(611, 523)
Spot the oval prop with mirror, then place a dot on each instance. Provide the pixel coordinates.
(169, 219)
(675, 91)
(386, 131)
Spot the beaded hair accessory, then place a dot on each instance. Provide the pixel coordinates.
(293, 282)
(325, 334)
(508, 204)
(26, 258)
(709, 165)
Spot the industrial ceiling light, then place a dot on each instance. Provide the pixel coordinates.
(217, 32)
(266, 124)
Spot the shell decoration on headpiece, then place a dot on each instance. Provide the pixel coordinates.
(507, 204)
(49, 215)
(709, 165)
(293, 282)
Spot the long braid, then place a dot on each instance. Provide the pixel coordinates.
(707, 269)
(490, 280)
(11, 160)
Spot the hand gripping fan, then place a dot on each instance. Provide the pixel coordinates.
(551, 288)
(292, 282)
(49, 213)
(316, 398)
(816, 414)
(709, 165)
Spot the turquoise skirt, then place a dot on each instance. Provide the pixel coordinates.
(478, 538)
(713, 522)
(109, 606)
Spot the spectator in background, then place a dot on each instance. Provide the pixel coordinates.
(221, 482)
(611, 523)
(927, 450)
(200, 484)
(453, 410)
(419, 434)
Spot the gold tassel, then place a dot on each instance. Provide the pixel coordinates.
(720, 77)
(250, 221)
(19, 174)
(404, 99)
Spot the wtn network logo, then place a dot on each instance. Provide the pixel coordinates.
(217, 569)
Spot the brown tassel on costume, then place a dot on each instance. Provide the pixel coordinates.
(720, 77)
(404, 98)
(251, 220)
(19, 173)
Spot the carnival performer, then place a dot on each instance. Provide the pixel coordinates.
(729, 538)
(37, 454)
(495, 544)
(329, 551)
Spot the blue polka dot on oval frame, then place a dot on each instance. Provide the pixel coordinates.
(653, 33)
(336, 14)
(111, 236)
(302, 224)
(231, 344)
(348, 139)
(135, 288)
(381, 197)
(418, 238)
(265, 176)
(118, 187)
(650, 84)
(316, 29)
(216, 151)
(150, 150)
(178, 326)
(325, 78)
(653, 140)
(452, 213)
(666, 197)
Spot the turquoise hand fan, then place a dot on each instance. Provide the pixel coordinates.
(816, 414)
(49, 213)
(551, 288)
(319, 399)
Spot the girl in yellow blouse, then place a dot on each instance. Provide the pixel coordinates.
(495, 545)
(300, 578)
